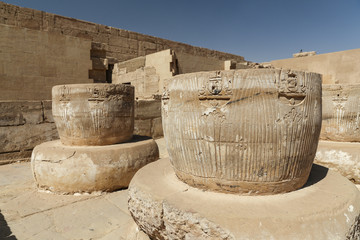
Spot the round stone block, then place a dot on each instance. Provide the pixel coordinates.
(343, 157)
(76, 169)
(327, 207)
(93, 114)
(341, 113)
(243, 131)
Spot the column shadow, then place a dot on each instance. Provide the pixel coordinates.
(317, 173)
(5, 231)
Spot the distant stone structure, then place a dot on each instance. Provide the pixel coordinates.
(40, 50)
(336, 67)
(304, 54)
(339, 148)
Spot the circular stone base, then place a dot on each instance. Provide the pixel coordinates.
(327, 207)
(343, 157)
(72, 169)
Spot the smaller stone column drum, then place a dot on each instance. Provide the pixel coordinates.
(341, 113)
(93, 114)
(244, 131)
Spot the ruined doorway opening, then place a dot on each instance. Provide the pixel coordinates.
(109, 73)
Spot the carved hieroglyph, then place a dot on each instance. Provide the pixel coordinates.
(246, 131)
(93, 114)
(341, 113)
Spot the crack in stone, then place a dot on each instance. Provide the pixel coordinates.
(60, 160)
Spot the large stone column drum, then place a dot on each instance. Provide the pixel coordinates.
(341, 113)
(96, 151)
(93, 114)
(243, 131)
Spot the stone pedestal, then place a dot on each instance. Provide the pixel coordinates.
(343, 157)
(164, 207)
(72, 169)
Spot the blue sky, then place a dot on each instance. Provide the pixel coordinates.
(259, 30)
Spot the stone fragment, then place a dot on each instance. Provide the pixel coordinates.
(93, 114)
(304, 54)
(71, 169)
(343, 157)
(249, 131)
(341, 113)
(327, 207)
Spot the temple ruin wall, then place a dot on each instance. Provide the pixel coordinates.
(106, 45)
(40, 50)
(336, 68)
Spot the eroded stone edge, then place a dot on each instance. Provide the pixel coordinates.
(160, 220)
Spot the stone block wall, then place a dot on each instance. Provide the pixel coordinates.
(113, 44)
(32, 62)
(23, 125)
(148, 118)
(336, 68)
(39, 50)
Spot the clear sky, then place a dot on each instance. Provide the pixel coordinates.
(259, 30)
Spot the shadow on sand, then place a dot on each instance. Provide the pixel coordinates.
(5, 232)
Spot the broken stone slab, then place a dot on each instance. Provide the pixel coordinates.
(249, 131)
(327, 207)
(93, 114)
(77, 169)
(341, 112)
(343, 157)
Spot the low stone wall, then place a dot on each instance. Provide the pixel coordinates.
(148, 118)
(23, 125)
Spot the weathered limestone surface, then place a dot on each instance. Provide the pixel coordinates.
(23, 125)
(336, 68)
(343, 157)
(100, 42)
(164, 207)
(147, 73)
(243, 131)
(32, 62)
(93, 114)
(71, 169)
(341, 113)
(148, 118)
